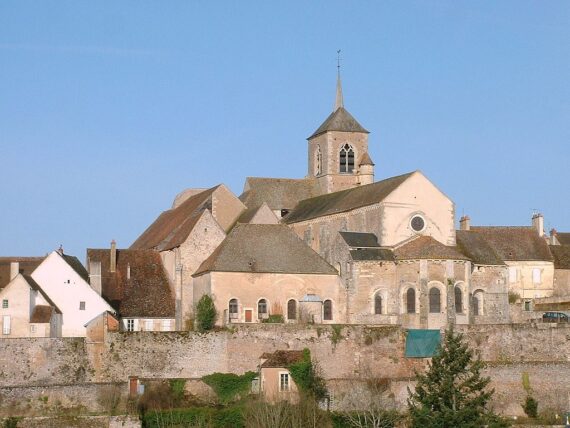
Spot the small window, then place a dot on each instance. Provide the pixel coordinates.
(318, 161)
(32, 328)
(327, 310)
(411, 301)
(262, 308)
(233, 308)
(527, 305)
(378, 304)
(417, 223)
(434, 300)
(81, 306)
(458, 300)
(284, 384)
(5, 304)
(291, 310)
(477, 303)
(130, 325)
(536, 276)
(149, 325)
(6, 324)
(166, 325)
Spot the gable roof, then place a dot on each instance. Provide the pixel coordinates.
(512, 243)
(255, 215)
(278, 193)
(345, 200)
(146, 293)
(339, 120)
(563, 238)
(426, 247)
(474, 246)
(35, 286)
(359, 239)
(282, 359)
(271, 248)
(561, 254)
(173, 226)
(26, 266)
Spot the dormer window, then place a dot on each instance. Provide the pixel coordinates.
(346, 158)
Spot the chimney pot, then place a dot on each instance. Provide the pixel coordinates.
(113, 257)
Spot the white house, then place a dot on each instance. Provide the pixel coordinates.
(64, 279)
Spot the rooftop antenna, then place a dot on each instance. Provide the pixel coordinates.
(339, 102)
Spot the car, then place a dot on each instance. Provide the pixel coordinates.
(555, 317)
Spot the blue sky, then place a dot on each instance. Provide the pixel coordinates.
(109, 109)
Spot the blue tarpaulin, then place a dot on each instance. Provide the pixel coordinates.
(422, 343)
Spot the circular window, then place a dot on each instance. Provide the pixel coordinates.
(417, 223)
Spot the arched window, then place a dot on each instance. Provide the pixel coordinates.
(262, 308)
(327, 310)
(346, 158)
(233, 308)
(434, 300)
(378, 303)
(318, 161)
(411, 301)
(458, 300)
(478, 303)
(291, 310)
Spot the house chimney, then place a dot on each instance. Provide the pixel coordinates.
(464, 223)
(113, 255)
(553, 237)
(538, 223)
(14, 270)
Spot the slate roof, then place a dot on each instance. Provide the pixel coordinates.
(264, 248)
(146, 294)
(345, 200)
(27, 266)
(173, 226)
(563, 238)
(365, 160)
(76, 265)
(561, 254)
(41, 314)
(426, 247)
(339, 120)
(474, 246)
(372, 254)
(515, 242)
(278, 193)
(360, 240)
(282, 359)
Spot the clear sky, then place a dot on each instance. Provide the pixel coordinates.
(108, 109)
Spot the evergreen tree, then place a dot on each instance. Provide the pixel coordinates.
(452, 393)
(206, 313)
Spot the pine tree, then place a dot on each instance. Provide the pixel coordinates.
(206, 313)
(452, 393)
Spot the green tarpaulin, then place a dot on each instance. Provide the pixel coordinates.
(422, 343)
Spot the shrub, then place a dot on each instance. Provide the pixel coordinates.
(274, 319)
(206, 314)
(513, 297)
(530, 407)
(195, 417)
(229, 386)
(306, 375)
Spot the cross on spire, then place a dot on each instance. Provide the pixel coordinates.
(339, 102)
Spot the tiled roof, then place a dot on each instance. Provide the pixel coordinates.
(278, 193)
(146, 293)
(515, 242)
(41, 314)
(26, 266)
(173, 226)
(360, 240)
(365, 160)
(339, 120)
(345, 200)
(474, 246)
(282, 359)
(425, 247)
(35, 286)
(372, 254)
(264, 248)
(563, 238)
(561, 255)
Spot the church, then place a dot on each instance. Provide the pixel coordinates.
(339, 247)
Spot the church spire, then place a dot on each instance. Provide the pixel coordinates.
(339, 102)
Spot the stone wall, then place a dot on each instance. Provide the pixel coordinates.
(345, 353)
